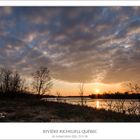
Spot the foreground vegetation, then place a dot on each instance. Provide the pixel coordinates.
(31, 108)
(17, 104)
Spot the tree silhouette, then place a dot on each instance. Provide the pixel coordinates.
(42, 80)
(10, 81)
(133, 87)
(15, 82)
(58, 96)
(6, 80)
(81, 93)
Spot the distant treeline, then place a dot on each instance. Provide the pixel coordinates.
(116, 96)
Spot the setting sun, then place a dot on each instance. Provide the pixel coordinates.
(97, 91)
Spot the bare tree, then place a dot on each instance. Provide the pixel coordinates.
(23, 86)
(58, 96)
(10, 82)
(15, 82)
(81, 92)
(42, 80)
(1, 81)
(133, 88)
(6, 80)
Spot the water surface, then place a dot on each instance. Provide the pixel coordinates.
(127, 106)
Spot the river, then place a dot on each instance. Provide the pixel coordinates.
(127, 106)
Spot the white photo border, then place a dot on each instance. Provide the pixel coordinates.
(105, 131)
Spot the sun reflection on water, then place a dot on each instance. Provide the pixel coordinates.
(97, 104)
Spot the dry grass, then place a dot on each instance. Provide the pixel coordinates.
(32, 109)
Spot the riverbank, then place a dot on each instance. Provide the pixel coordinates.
(32, 109)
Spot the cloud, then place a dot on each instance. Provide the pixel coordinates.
(91, 44)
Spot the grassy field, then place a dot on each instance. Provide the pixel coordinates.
(33, 109)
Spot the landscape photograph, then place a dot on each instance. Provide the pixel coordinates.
(70, 64)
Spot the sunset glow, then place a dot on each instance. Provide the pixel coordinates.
(97, 91)
(97, 45)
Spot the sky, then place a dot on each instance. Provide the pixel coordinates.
(99, 46)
